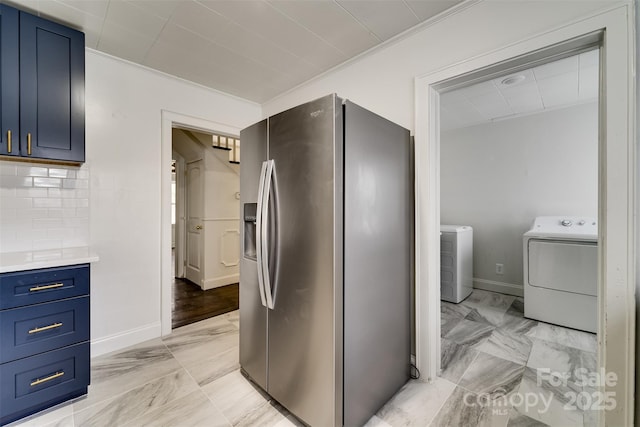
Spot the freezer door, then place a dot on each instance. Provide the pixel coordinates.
(253, 314)
(305, 327)
(377, 259)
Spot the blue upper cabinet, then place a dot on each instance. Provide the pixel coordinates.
(9, 91)
(47, 96)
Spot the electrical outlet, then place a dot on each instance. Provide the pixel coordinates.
(500, 269)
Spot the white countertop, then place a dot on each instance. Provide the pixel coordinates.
(30, 260)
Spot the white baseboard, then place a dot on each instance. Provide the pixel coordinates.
(501, 287)
(217, 282)
(124, 339)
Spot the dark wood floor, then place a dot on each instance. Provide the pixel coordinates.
(192, 304)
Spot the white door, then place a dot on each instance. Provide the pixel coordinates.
(195, 194)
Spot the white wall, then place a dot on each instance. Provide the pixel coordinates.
(222, 221)
(497, 177)
(123, 116)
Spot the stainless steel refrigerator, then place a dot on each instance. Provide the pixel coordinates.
(326, 202)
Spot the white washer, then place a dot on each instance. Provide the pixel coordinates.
(561, 271)
(456, 262)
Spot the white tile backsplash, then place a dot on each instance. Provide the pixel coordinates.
(12, 181)
(47, 203)
(7, 169)
(30, 192)
(48, 182)
(32, 171)
(43, 208)
(62, 173)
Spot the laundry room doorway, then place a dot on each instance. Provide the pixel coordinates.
(616, 172)
(519, 242)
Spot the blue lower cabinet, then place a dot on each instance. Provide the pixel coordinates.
(35, 329)
(34, 383)
(22, 288)
(44, 339)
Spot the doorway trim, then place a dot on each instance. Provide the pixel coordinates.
(169, 120)
(617, 197)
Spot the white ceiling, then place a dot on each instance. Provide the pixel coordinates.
(559, 84)
(254, 49)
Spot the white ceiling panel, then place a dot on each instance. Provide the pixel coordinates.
(330, 22)
(491, 105)
(199, 19)
(123, 42)
(478, 89)
(519, 80)
(262, 50)
(559, 84)
(525, 103)
(129, 16)
(161, 8)
(261, 18)
(528, 88)
(563, 66)
(210, 60)
(426, 9)
(559, 89)
(385, 18)
(97, 8)
(175, 37)
(282, 42)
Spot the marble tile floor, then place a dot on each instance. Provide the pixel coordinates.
(491, 362)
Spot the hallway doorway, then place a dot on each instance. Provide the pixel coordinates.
(205, 180)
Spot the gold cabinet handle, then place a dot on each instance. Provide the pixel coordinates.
(8, 141)
(49, 378)
(29, 143)
(45, 328)
(198, 227)
(42, 288)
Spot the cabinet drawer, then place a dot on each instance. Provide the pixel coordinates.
(48, 284)
(31, 384)
(38, 328)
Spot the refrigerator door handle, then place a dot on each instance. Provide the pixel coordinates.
(259, 227)
(264, 232)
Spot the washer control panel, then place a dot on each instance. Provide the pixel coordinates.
(580, 227)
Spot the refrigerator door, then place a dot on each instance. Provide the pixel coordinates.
(253, 312)
(305, 324)
(377, 259)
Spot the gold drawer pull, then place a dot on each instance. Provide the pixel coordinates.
(29, 143)
(9, 141)
(49, 378)
(42, 288)
(45, 328)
